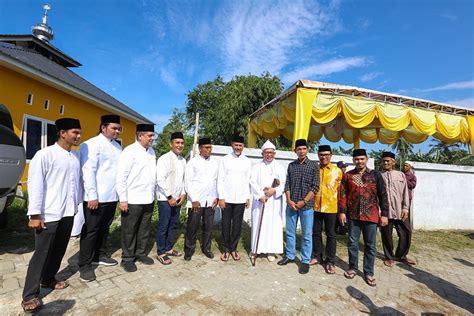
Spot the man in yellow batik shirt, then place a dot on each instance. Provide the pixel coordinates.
(325, 207)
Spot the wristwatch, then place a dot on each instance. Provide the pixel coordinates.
(305, 202)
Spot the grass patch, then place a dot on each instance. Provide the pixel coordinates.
(17, 235)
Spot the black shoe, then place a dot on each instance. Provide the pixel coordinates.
(145, 260)
(187, 257)
(128, 266)
(105, 261)
(285, 261)
(86, 274)
(303, 268)
(208, 254)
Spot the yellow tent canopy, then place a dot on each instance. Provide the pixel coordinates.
(311, 109)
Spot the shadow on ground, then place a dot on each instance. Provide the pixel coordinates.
(59, 307)
(444, 289)
(367, 302)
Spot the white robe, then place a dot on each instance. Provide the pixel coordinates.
(271, 233)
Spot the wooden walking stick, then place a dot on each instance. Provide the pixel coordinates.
(258, 235)
(275, 183)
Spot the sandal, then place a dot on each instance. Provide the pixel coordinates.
(235, 255)
(165, 260)
(370, 280)
(350, 274)
(330, 268)
(32, 305)
(225, 256)
(388, 263)
(410, 262)
(56, 285)
(174, 253)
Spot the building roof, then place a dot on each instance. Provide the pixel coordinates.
(343, 90)
(53, 70)
(44, 48)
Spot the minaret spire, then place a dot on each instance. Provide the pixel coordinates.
(42, 30)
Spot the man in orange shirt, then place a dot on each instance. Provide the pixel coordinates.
(325, 207)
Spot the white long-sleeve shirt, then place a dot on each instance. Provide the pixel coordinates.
(136, 175)
(99, 157)
(201, 180)
(233, 184)
(54, 183)
(170, 176)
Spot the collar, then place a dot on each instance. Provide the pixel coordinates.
(302, 162)
(233, 154)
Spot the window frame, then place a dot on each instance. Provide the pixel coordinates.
(31, 97)
(44, 130)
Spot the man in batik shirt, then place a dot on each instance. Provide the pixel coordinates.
(362, 193)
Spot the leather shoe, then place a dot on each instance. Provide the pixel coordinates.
(128, 266)
(187, 257)
(209, 254)
(303, 268)
(285, 261)
(145, 260)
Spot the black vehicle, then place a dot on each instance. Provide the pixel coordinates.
(12, 162)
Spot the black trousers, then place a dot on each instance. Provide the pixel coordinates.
(136, 230)
(206, 214)
(403, 229)
(95, 232)
(232, 217)
(328, 221)
(50, 247)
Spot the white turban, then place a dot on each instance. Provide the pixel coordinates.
(268, 145)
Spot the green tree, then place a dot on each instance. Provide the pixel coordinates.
(176, 123)
(403, 149)
(224, 107)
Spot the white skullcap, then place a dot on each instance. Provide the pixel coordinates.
(268, 145)
(409, 163)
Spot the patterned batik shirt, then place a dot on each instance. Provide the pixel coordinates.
(362, 194)
(302, 177)
(325, 201)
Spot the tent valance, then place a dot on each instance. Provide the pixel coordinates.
(319, 109)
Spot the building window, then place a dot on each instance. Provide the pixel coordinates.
(61, 109)
(29, 100)
(46, 105)
(36, 134)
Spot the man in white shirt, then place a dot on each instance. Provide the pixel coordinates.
(54, 191)
(136, 181)
(99, 157)
(171, 195)
(234, 196)
(267, 184)
(201, 187)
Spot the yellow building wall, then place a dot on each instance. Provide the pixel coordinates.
(14, 90)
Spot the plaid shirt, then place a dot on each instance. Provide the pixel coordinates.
(362, 194)
(302, 178)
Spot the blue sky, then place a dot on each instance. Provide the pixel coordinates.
(149, 54)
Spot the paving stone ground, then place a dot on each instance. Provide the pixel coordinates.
(442, 282)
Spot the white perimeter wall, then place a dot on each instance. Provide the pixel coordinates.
(443, 197)
(283, 157)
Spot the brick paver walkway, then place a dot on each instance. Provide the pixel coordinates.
(442, 282)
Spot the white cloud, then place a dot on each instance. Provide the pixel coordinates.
(466, 103)
(370, 76)
(159, 119)
(325, 68)
(453, 86)
(269, 36)
(448, 16)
